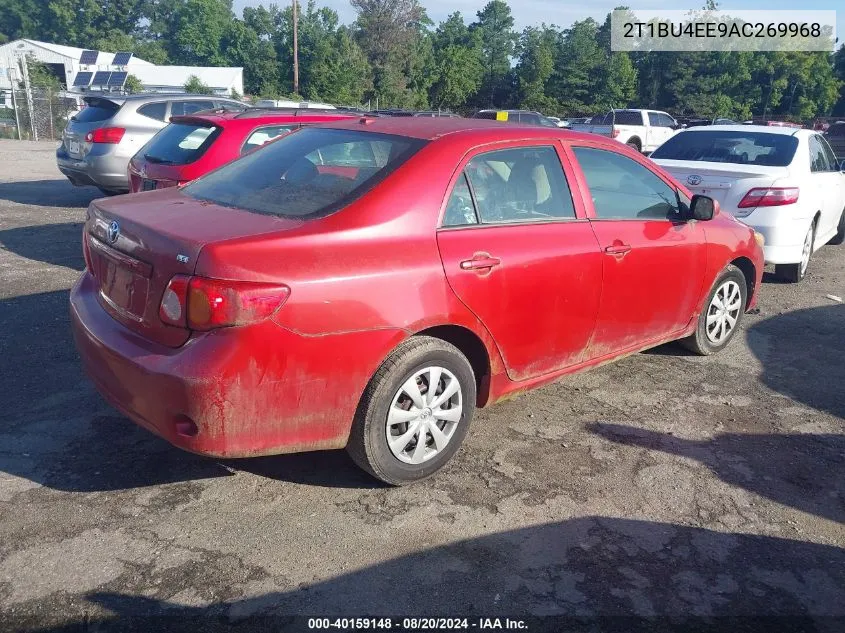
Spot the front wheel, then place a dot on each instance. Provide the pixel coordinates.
(415, 412)
(722, 314)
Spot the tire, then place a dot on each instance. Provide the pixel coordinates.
(839, 238)
(413, 359)
(708, 339)
(635, 145)
(793, 273)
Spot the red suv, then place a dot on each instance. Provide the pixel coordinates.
(193, 145)
(367, 283)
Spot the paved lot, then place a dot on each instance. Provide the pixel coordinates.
(662, 484)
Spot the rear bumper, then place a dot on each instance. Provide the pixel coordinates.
(255, 390)
(104, 170)
(784, 230)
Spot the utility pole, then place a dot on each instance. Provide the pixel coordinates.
(295, 49)
(29, 101)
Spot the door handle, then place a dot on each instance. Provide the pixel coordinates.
(482, 261)
(618, 249)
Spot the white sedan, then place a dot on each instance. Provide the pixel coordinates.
(785, 183)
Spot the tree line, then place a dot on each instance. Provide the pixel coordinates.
(394, 55)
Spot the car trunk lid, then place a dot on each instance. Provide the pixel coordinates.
(96, 114)
(726, 182)
(135, 245)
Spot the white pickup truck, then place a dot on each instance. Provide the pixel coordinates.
(644, 130)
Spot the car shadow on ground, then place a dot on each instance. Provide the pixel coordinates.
(802, 356)
(806, 472)
(56, 244)
(57, 431)
(49, 193)
(615, 574)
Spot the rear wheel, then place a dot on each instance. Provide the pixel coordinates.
(793, 273)
(415, 412)
(839, 238)
(722, 314)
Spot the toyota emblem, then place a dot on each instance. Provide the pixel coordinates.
(114, 231)
(694, 180)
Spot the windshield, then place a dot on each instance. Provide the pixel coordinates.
(308, 173)
(179, 143)
(722, 146)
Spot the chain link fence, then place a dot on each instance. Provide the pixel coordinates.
(40, 115)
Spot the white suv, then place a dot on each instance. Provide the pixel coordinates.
(785, 183)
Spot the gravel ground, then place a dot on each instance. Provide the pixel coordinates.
(661, 485)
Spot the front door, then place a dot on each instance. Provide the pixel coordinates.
(654, 260)
(520, 254)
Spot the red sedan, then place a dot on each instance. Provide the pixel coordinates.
(368, 283)
(193, 145)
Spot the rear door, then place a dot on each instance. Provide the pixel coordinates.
(654, 260)
(518, 250)
(826, 181)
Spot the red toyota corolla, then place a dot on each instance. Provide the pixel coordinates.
(193, 145)
(368, 283)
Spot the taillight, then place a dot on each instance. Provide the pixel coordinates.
(174, 303)
(769, 197)
(205, 304)
(614, 132)
(111, 135)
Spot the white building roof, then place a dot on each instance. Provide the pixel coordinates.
(213, 77)
(73, 53)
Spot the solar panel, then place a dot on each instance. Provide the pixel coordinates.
(83, 78)
(121, 58)
(101, 78)
(89, 57)
(117, 79)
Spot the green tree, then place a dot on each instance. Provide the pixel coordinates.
(133, 85)
(457, 71)
(198, 28)
(498, 44)
(535, 68)
(195, 86)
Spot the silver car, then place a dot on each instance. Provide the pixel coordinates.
(99, 141)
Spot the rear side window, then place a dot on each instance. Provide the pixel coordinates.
(722, 146)
(519, 185)
(622, 189)
(154, 111)
(818, 157)
(264, 135)
(486, 115)
(97, 110)
(189, 107)
(627, 117)
(310, 173)
(180, 143)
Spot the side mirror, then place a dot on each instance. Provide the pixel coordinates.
(842, 166)
(702, 208)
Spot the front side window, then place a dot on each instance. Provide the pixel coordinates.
(623, 189)
(307, 174)
(264, 135)
(654, 119)
(519, 185)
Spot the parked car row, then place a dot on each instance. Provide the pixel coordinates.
(367, 282)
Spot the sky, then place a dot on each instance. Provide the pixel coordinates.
(562, 14)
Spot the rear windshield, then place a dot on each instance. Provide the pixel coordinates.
(741, 148)
(308, 173)
(180, 143)
(97, 110)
